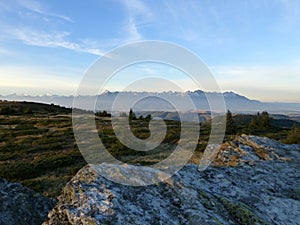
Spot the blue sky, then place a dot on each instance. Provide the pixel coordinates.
(251, 46)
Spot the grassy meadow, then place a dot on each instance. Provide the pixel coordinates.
(38, 148)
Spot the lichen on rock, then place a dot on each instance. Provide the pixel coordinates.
(256, 190)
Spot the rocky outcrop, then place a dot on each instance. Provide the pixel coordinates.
(20, 205)
(250, 149)
(260, 187)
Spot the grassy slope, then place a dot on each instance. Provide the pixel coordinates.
(38, 148)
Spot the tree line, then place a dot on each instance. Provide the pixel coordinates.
(261, 124)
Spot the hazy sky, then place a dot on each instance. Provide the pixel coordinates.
(251, 46)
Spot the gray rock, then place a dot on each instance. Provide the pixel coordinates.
(20, 205)
(265, 191)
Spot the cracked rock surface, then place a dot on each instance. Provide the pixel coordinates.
(254, 180)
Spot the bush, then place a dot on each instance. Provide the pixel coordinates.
(293, 135)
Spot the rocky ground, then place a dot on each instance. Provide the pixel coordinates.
(254, 180)
(20, 205)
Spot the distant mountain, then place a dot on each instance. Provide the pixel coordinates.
(154, 101)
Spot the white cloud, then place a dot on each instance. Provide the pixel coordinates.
(133, 33)
(138, 15)
(6, 52)
(37, 35)
(39, 8)
(45, 36)
(137, 8)
(40, 34)
(51, 39)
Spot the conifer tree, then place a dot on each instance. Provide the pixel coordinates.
(230, 126)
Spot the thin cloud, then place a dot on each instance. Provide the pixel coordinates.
(133, 33)
(138, 15)
(51, 39)
(6, 52)
(35, 36)
(37, 7)
(137, 8)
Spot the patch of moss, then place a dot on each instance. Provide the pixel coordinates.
(217, 221)
(206, 200)
(241, 213)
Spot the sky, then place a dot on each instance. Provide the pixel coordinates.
(252, 47)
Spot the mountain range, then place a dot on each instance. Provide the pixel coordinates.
(158, 101)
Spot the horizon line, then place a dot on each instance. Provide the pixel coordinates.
(156, 92)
